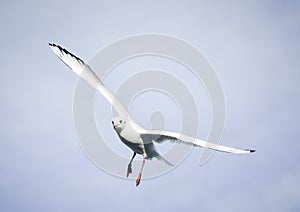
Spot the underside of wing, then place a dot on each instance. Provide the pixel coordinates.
(83, 70)
(163, 136)
(73, 62)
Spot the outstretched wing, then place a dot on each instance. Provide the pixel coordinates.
(162, 136)
(83, 70)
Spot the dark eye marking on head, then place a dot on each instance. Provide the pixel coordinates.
(121, 121)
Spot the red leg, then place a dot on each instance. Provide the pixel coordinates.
(138, 180)
(129, 169)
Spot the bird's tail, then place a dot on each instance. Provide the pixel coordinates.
(161, 158)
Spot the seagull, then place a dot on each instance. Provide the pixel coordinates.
(139, 140)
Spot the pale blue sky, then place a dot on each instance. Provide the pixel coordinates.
(254, 48)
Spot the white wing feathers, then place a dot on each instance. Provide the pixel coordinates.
(85, 72)
(162, 136)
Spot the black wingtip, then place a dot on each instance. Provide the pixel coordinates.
(250, 150)
(55, 45)
(65, 51)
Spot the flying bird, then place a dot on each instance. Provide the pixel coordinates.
(139, 140)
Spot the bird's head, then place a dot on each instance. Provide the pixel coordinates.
(118, 123)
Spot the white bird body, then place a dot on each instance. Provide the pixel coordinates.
(132, 139)
(138, 139)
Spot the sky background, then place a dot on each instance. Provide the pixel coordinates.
(253, 46)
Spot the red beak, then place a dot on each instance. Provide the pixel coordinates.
(116, 125)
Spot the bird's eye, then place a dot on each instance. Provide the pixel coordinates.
(112, 122)
(121, 121)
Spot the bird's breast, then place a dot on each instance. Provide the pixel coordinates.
(134, 145)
